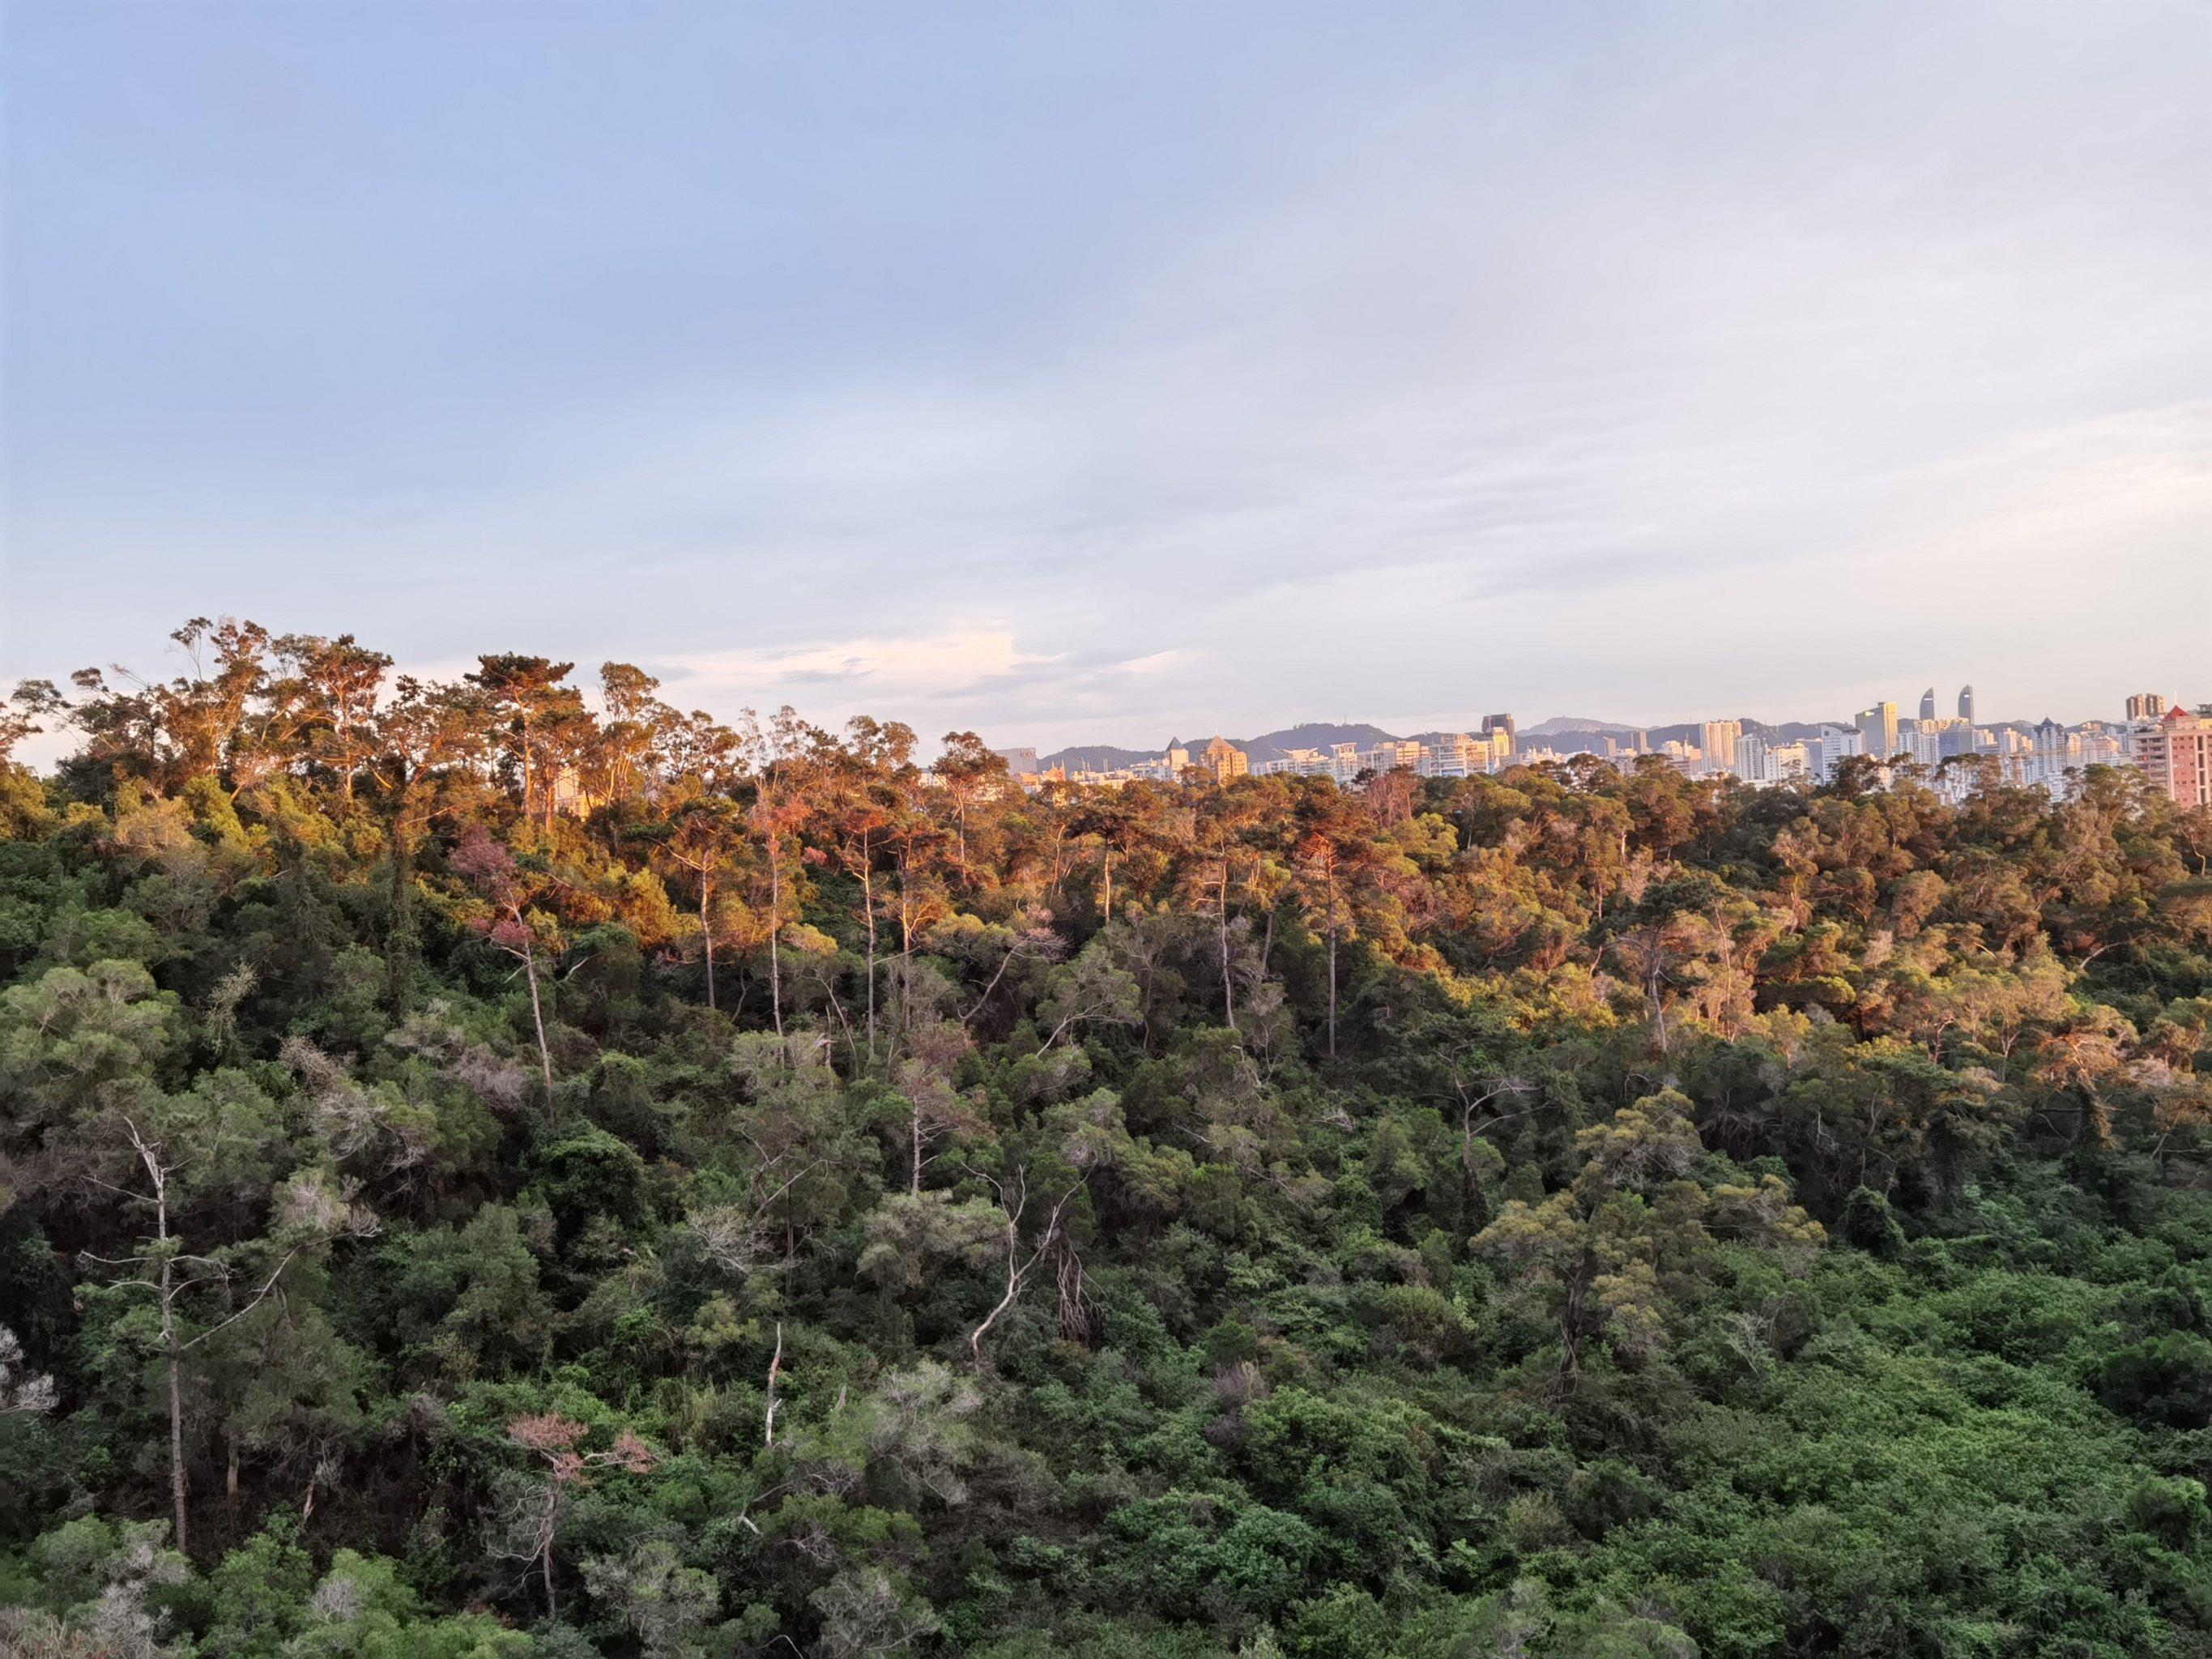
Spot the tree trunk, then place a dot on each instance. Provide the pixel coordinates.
(774, 1366)
(537, 1015)
(1570, 1328)
(525, 765)
(176, 1411)
(906, 952)
(1478, 1200)
(545, 1556)
(775, 932)
(1013, 1289)
(399, 941)
(868, 905)
(1332, 961)
(707, 932)
(1227, 982)
(172, 1350)
(1017, 1269)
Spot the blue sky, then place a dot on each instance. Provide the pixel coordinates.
(1086, 373)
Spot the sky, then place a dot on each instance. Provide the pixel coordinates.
(1093, 373)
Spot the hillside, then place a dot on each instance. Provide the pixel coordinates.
(1098, 758)
(1311, 734)
(784, 1203)
(1272, 745)
(1574, 725)
(1568, 734)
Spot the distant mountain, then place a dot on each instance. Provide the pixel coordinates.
(1272, 745)
(1096, 757)
(1567, 734)
(1314, 734)
(1562, 725)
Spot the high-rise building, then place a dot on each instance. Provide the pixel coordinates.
(1391, 753)
(1760, 761)
(2101, 746)
(1834, 743)
(1224, 760)
(2053, 751)
(1457, 755)
(1927, 704)
(1878, 730)
(1719, 745)
(1967, 704)
(1020, 763)
(2175, 752)
(2146, 705)
(1499, 729)
(1954, 738)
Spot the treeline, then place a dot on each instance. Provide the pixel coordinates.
(491, 1169)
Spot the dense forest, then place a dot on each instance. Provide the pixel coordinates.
(494, 1168)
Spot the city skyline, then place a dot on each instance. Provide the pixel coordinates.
(2135, 708)
(2170, 745)
(165, 660)
(1151, 369)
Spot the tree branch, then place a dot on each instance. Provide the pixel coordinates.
(259, 1297)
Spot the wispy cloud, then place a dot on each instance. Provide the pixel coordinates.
(1157, 662)
(1486, 362)
(876, 672)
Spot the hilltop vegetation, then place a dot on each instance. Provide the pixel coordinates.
(490, 1174)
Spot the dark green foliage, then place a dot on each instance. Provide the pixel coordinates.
(1557, 1214)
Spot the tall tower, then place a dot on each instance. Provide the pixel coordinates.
(1967, 704)
(1721, 738)
(2175, 753)
(1878, 730)
(2146, 705)
(1927, 704)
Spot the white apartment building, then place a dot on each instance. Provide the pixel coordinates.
(1758, 760)
(1834, 744)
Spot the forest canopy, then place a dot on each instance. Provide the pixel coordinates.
(502, 1166)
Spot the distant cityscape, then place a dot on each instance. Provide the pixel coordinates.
(2170, 741)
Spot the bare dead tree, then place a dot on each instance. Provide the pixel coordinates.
(1014, 1201)
(774, 1365)
(1035, 942)
(1074, 1291)
(169, 1286)
(554, 1439)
